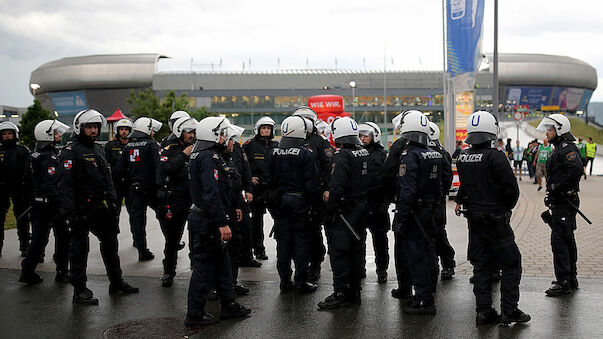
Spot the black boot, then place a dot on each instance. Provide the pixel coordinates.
(517, 316)
(145, 255)
(354, 296)
(261, 256)
(286, 286)
(84, 297)
(335, 300)
(30, 278)
(240, 290)
(122, 288)
(381, 276)
(559, 288)
(250, 263)
(167, 280)
(212, 294)
(422, 307)
(574, 284)
(487, 317)
(233, 310)
(313, 273)
(199, 319)
(447, 273)
(399, 293)
(305, 288)
(62, 277)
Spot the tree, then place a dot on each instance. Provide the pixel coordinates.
(35, 113)
(147, 104)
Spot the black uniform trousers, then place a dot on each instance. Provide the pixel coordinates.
(418, 240)
(123, 193)
(93, 218)
(258, 209)
(292, 235)
(402, 269)
(318, 249)
(234, 248)
(563, 242)
(345, 251)
(20, 205)
(211, 264)
(140, 199)
(491, 241)
(378, 225)
(246, 252)
(443, 248)
(44, 218)
(172, 215)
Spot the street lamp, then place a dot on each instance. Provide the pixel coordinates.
(353, 86)
(34, 87)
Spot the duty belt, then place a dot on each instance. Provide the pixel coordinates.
(197, 210)
(294, 194)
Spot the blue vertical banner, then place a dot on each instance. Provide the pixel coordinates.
(68, 104)
(464, 21)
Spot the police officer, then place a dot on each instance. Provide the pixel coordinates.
(323, 154)
(140, 162)
(172, 138)
(44, 164)
(292, 182)
(563, 172)
(443, 248)
(15, 183)
(208, 225)
(114, 152)
(488, 192)
(88, 199)
(173, 196)
(346, 212)
(419, 196)
(378, 220)
(258, 151)
(390, 177)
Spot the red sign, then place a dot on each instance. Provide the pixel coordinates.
(327, 107)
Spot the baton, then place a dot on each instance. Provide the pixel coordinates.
(24, 213)
(347, 223)
(579, 212)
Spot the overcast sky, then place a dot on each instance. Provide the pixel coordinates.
(356, 33)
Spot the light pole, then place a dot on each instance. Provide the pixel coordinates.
(353, 86)
(34, 87)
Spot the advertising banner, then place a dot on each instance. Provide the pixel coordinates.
(68, 103)
(464, 19)
(327, 107)
(464, 108)
(546, 98)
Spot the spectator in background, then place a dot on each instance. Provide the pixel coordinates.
(533, 154)
(591, 151)
(582, 148)
(500, 146)
(457, 151)
(527, 156)
(544, 151)
(517, 158)
(509, 150)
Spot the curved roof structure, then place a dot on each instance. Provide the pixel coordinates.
(96, 71)
(544, 70)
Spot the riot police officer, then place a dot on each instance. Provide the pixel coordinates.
(563, 171)
(173, 196)
(293, 182)
(140, 162)
(419, 196)
(258, 151)
(390, 177)
(44, 163)
(323, 153)
(378, 220)
(489, 192)
(88, 199)
(443, 248)
(208, 225)
(172, 138)
(114, 152)
(346, 212)
(15, 183)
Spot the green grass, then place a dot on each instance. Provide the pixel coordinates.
(581, 130)
(10, 222)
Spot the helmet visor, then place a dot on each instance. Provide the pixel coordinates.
(547, 124)
(59, 127)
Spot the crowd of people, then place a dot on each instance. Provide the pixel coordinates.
(202, 177)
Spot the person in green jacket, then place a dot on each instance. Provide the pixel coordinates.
(540, 162)
(582, 148)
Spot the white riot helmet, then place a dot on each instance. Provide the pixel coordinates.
(323, 128)
(434, 134)
(122, 123)
(175, 116)
(143, 125)
(345, 131)
(264, 121)
(7, 125)
(88, 116)
(45, 129)
(294, 127)
(414, 126)
(211, 128)
(156, 125)
(482, 126)
(372, 129)
(184, 124)
(306, 112)
(560, 123)
(235, 131)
